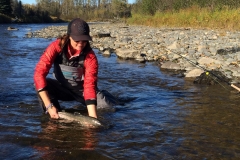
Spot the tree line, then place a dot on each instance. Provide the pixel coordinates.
(49, 10)
(88, 9)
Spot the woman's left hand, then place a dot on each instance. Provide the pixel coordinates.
(53, 112)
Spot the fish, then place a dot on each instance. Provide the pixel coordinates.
(86, 121)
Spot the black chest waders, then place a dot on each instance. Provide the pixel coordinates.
(68, 82)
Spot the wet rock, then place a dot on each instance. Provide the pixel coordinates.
(12, 29)
(126, 53)
(211, 78)
(140, 58)
(107, 53)
(29, 35)
(170, 65)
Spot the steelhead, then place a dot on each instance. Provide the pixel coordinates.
(83, 120)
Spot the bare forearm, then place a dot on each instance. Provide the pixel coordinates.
(92, 110)
(46, 100)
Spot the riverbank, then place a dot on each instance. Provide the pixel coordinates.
(5, 19)
(226, 18)
(216, 50)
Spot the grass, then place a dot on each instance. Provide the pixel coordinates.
(195, 17)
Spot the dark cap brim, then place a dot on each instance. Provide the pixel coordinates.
(81, 37)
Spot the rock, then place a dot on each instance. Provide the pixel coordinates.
(224, 51)
(170, 65)
(194, 73)
(206, 60)
(174, 46)
(126, 53)
(101, 35)
(12, 29)
(29, 35)
(140, 58)
(210, 78)
(120, 44)
(107, 53)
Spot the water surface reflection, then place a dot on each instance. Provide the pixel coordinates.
(162, 116)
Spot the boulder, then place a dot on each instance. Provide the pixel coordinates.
(194, 73)
(126, 53)
(12, 29)
(170, 65)
(211, 78)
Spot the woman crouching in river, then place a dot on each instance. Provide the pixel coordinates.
(75, 71)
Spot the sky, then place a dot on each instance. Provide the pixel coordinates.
(34, 2)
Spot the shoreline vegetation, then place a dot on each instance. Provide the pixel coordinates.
(5, 19)
(193, 17)
(214, 14)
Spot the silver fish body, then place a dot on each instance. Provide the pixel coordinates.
(83, 120)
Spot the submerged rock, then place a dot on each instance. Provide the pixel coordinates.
(12, 29)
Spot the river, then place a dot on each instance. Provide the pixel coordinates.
(163, 115)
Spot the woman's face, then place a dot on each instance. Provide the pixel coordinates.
(77, 45)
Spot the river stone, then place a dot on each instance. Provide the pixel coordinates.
(213, 66)
(224, 51)
(140, 58)
(235, 73)
(207, 60)
(12, 29)
(213, 51)
(174, 46)
(120, 44)
(107, 53)
(194, 73)
(29, 34)
(126, 53)
(101, 35)
(170, 65)
(211, 78)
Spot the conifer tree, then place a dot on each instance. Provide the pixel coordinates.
(5, 7)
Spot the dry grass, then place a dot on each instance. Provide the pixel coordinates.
(227, 19)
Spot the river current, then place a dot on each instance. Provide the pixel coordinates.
(162, 115)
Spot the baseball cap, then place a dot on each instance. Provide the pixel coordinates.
(78, 29)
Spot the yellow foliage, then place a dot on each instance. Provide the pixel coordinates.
(194, 17)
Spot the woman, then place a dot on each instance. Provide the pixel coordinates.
(75, 71)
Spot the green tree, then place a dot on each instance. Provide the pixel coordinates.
(5, 7)
(148, 6)
(17, 8)
(119, 8)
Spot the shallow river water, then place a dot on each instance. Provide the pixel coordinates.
(162, 116)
